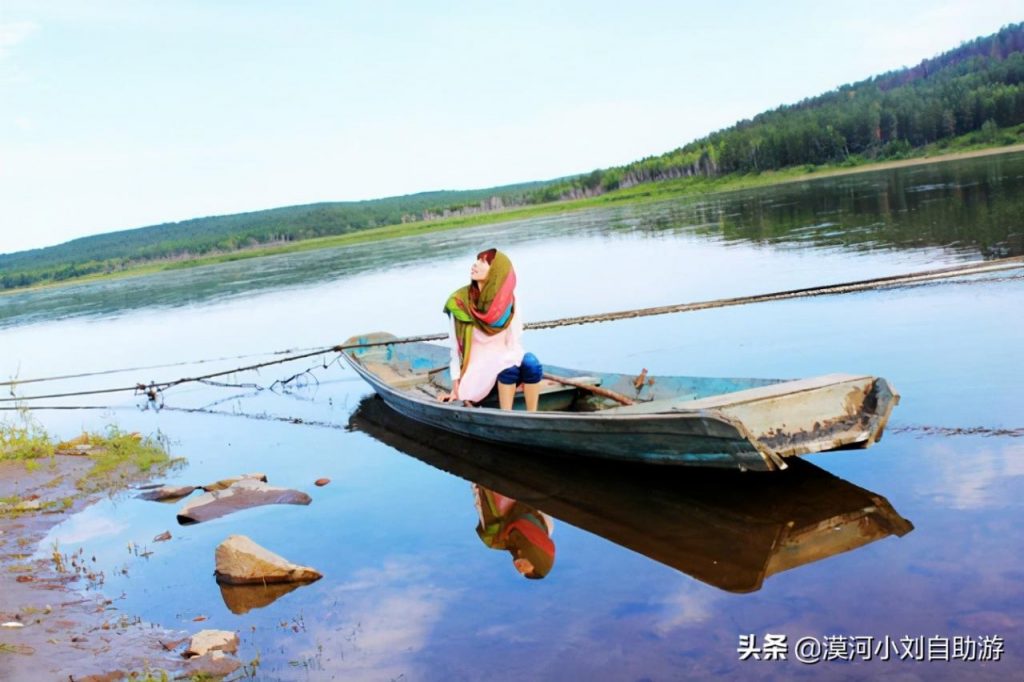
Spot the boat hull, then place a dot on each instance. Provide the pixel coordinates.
(753, 425)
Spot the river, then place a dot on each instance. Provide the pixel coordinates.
(640, 587)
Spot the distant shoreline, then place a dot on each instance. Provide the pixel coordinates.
(637, 194)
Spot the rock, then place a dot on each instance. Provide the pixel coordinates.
(228, 482)
(240, 561)
(213, 664)
(241, 495)
(167, 493)
(163, 537)
(244, 598)
(321, 482)
(206, 641)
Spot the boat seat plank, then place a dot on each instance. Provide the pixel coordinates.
(771, 391)
(397, 377)
(689, 402)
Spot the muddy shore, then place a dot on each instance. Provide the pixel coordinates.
(66, 632)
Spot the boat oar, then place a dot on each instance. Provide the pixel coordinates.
(597, 390)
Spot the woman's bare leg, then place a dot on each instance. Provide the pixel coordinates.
(532, 394)
(506, 395)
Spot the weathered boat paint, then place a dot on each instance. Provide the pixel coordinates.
(723, 422)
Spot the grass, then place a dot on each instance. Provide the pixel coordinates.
(118, 457)
(6, 648)
(24, 439)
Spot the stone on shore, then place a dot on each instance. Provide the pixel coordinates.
(228, 482)
(240, 561)
(206, 641)
(215, 664)
(167, 493)
(240, 495)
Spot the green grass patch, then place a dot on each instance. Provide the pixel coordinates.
(120, 457)
(24, 439)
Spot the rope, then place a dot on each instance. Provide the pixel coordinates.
(18, 382)
(979, 267)
(975, 268)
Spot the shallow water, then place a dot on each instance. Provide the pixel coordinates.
(411, 592)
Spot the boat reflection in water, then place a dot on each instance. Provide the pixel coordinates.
(726, 528)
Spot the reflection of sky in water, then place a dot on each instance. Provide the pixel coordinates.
(410, 590)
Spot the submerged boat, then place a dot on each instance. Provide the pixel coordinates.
(750, 424)
(721, 527)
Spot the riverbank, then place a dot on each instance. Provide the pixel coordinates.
(56, 624)
(64, 632)
(638, 194)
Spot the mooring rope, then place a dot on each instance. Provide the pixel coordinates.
(911, 279)
(974, 268)
(122, 370)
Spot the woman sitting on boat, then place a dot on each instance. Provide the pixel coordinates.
(486, 337)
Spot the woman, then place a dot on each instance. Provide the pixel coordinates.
(486, 337)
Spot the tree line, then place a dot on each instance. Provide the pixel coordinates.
(976, 88)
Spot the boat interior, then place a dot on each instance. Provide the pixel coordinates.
(422, 369)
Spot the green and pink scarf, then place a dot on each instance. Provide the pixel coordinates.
(489, 308)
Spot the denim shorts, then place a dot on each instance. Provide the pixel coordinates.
(529, 372)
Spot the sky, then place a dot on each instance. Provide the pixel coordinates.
(116, 114)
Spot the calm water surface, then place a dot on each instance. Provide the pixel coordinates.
(654, 577)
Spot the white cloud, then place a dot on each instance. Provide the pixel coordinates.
(974, 486)
(14, 33)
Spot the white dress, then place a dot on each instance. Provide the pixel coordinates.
(488, 357)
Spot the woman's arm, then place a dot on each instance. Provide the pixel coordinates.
(455, 363)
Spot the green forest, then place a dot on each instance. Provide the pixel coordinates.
(975, 90)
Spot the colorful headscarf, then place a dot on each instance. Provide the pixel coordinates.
(489, 308)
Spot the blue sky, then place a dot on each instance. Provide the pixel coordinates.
(122, 113)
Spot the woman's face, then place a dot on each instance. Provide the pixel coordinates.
(480, 270)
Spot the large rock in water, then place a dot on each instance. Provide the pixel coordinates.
(228, 482)
(240, 561)
(240, 495)
(167, 493)
(206, 641)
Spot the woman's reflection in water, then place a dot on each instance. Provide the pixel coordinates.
(525, 532)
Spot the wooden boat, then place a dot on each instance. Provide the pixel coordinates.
(721, 422)
(721, 527)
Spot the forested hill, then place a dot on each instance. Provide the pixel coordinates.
(116, 250)
(976, 89)
(973, 94)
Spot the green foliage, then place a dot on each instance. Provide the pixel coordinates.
(23, 438)
(115, 251)
(977, 87)
(119, 456)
